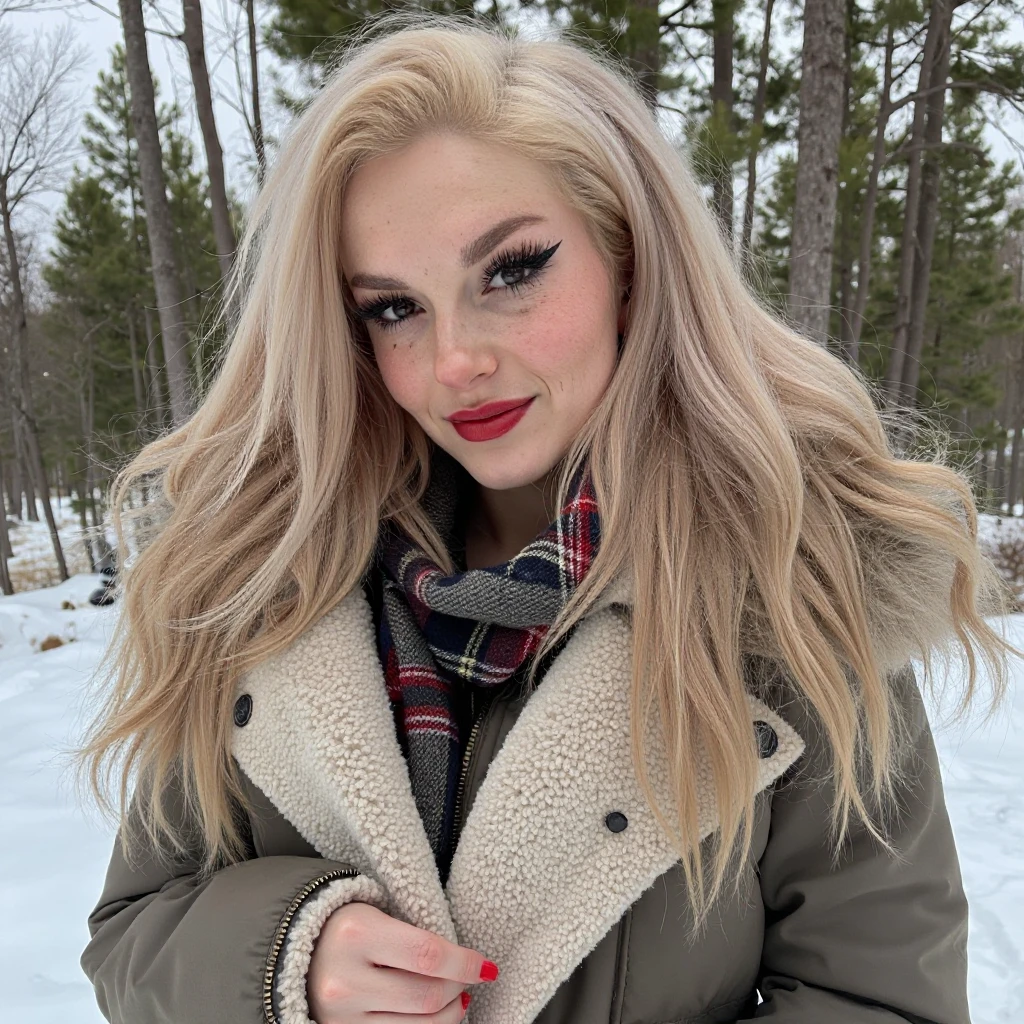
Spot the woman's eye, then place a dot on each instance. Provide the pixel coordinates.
(511, 269)
(516, 273)
(375, 310)
(511, 265)
(391, 309)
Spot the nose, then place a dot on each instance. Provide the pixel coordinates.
(461, 356)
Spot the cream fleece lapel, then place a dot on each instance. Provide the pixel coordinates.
(322, 746)
(538, 878)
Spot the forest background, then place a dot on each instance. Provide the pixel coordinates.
(863, 156)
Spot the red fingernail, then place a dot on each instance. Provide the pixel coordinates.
(465, 999)
(489, 971)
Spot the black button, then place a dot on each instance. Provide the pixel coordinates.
(616, 821)
(767, 740)
(243, 710)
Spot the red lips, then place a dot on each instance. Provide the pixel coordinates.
(485, 411)
(490, 427)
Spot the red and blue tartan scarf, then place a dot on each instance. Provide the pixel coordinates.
(439, 635)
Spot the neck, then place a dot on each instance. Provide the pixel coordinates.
(507, 520)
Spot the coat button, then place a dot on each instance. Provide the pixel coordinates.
(616, 821)
(767, 740)
(243, 710)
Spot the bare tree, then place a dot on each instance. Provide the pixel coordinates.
(5, 541)
(723, 25)
(817, 175)
(38, 125)
(928, 209)
(256, 124)
(159, 223)
(240, 28)
(756, 129)
(937, 20)
(870, 203)
(192, 37)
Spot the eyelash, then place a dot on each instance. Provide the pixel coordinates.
(529, 256)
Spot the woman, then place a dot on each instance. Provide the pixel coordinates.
(561, 712)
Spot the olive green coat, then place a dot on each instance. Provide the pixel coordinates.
(587, 921)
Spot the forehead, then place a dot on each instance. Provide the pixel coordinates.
(435, 196)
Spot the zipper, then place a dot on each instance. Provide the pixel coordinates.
(479, 720)
(467, 754)
(269, 1016)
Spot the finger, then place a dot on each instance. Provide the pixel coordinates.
(397, 944)
(450, 1014)
(401, 991)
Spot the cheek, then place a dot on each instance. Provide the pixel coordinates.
(401, 377)
(567, 340)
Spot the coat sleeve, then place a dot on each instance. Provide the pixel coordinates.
(870, 941)
(170, 945)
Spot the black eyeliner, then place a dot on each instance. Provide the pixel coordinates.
(529, 256)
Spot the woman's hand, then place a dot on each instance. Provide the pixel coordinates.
(368, 966)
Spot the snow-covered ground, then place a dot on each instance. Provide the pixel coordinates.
(54, 851)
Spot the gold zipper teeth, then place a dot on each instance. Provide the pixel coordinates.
(282, 931)
(467, 754)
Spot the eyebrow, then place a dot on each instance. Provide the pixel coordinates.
(471, 253)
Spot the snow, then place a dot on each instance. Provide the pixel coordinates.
(55, 853)
(56, 850)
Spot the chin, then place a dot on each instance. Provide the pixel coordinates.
(493, 471)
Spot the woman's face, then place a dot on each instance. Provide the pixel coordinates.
(478, 283)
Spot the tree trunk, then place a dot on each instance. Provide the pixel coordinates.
(1016, 424)
(645, 49)
(160, 227)
(908, 243)
(844, 264)
(722, 15)
(138, 385)
(758, 125)
(817, 175)
(867, 222)
(157, 405)
(254, 81)
(928, 210)
(86, 405)
(28, 487)
(22, 389)
(5, 542)
(1015, 414)
(97, 533)
(83, 520)
(192, 35)
(1008, 402)
(44, 493)
(16, 495)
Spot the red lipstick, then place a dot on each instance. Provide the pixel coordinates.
(491, 420)
(487, 410)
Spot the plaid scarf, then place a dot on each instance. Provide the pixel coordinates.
(438, 636)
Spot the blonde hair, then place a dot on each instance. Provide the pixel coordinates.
(735, 461)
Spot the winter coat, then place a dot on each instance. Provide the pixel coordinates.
(562, 875)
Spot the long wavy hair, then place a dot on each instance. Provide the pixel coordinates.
(736, 463)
